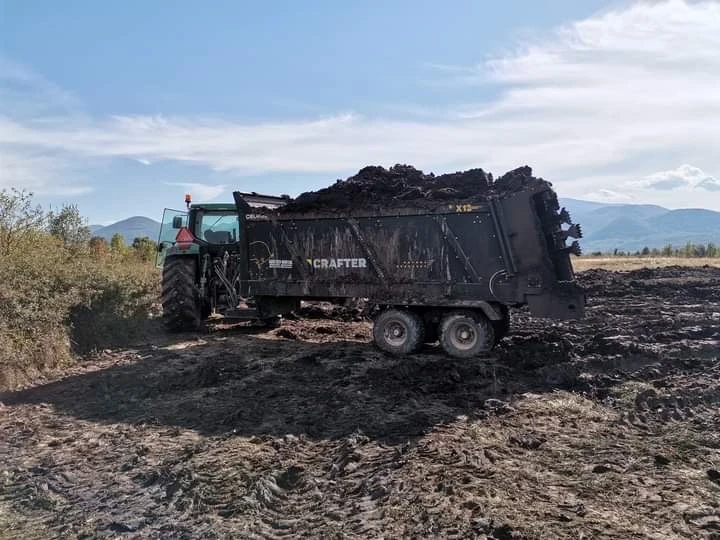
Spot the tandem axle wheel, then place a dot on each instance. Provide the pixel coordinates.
(465, 334)
(462, 333)
(398, 331)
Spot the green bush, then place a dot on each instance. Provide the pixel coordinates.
(59, 297)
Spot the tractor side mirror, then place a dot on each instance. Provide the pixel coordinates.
(177, 222)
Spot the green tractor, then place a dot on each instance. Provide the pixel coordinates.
(199, 251)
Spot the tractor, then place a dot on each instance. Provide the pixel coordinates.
(200, 256)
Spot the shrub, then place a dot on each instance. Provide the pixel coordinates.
(60, 296)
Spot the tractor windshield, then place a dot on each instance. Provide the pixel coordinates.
(218, 227)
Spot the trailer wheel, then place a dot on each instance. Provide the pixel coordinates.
(465, 334)
(398, 332)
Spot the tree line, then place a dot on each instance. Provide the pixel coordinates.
(142, 248)
(19, 217)
(690, 251)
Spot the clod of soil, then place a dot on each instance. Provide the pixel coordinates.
(404, 186)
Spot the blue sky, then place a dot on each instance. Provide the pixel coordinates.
(121, 107)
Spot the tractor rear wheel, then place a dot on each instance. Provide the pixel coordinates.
(465, 334)
(180, 296)
(398, 332)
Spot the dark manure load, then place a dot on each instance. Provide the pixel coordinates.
(401, 186)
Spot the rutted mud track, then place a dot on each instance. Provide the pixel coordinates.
(609, 427)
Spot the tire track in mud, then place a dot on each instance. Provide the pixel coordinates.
(606, 427)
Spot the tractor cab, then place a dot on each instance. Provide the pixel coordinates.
(205, 227)
(214, 224)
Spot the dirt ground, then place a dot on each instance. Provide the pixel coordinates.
(604, 428)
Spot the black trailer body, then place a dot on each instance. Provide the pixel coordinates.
(476, 258)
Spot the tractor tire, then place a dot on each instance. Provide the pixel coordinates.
(180, 296)
(398, 332)
(466, 334)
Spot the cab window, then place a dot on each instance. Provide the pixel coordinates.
(218, 227)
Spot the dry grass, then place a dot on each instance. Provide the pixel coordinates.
(564, 403)
(626, 392)
(620, 264)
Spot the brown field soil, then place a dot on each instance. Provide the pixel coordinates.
(603, 428)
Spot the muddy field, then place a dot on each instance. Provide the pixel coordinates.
(605, 428)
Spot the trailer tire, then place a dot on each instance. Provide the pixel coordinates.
(398, 332)
(180, 296)
(466, 334)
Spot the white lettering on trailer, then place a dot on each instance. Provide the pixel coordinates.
(334, 264)
(280, 263)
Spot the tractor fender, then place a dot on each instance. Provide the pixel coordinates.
(489, 310)
(174, 251)
(493, 311)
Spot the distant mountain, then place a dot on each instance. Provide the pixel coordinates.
(130, 228)
(619, 227)
(693, 220)
(631, 227)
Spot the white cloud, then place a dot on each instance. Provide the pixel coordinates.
(27, 95)
(684, 177)
(199, 191)
(599, 101)
(709, 184)
(43, 174)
